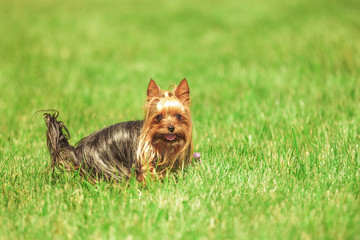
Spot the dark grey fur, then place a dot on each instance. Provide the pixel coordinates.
(109, 153)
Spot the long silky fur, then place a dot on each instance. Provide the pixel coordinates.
(115, 152)
(160, 160)
(109, 153)
(57, 135)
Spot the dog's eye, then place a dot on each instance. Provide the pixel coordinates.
(159, 117)
(178, 116)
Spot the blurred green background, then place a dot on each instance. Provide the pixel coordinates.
(275, 104)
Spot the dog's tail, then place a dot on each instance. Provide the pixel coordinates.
(63, 155)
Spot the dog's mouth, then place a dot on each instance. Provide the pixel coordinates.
(170, 137)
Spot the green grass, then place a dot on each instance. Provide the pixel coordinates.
(275, 88)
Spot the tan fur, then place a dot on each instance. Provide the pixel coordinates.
(160, 143)
(155, 154)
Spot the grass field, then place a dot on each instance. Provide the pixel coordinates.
(275, 89)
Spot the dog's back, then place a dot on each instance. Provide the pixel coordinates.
(109, 153)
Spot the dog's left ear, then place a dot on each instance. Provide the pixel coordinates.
(153, 90)
(182, 92)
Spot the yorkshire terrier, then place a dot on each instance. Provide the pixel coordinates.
(160, 143)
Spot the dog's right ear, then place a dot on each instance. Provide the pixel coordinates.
(182, 92)
(153, 90)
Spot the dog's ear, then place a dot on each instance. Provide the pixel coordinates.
(182, 92)
(153, 90)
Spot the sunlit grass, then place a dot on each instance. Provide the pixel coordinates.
(275, 105)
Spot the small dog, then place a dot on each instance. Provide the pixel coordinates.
(160, 143)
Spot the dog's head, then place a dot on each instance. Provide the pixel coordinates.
(167, 115)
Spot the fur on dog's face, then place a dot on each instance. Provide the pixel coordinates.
(168, 116)
(165, 141)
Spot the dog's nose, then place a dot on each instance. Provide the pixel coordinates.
(171, 128)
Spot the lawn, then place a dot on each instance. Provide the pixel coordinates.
(275, 89)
